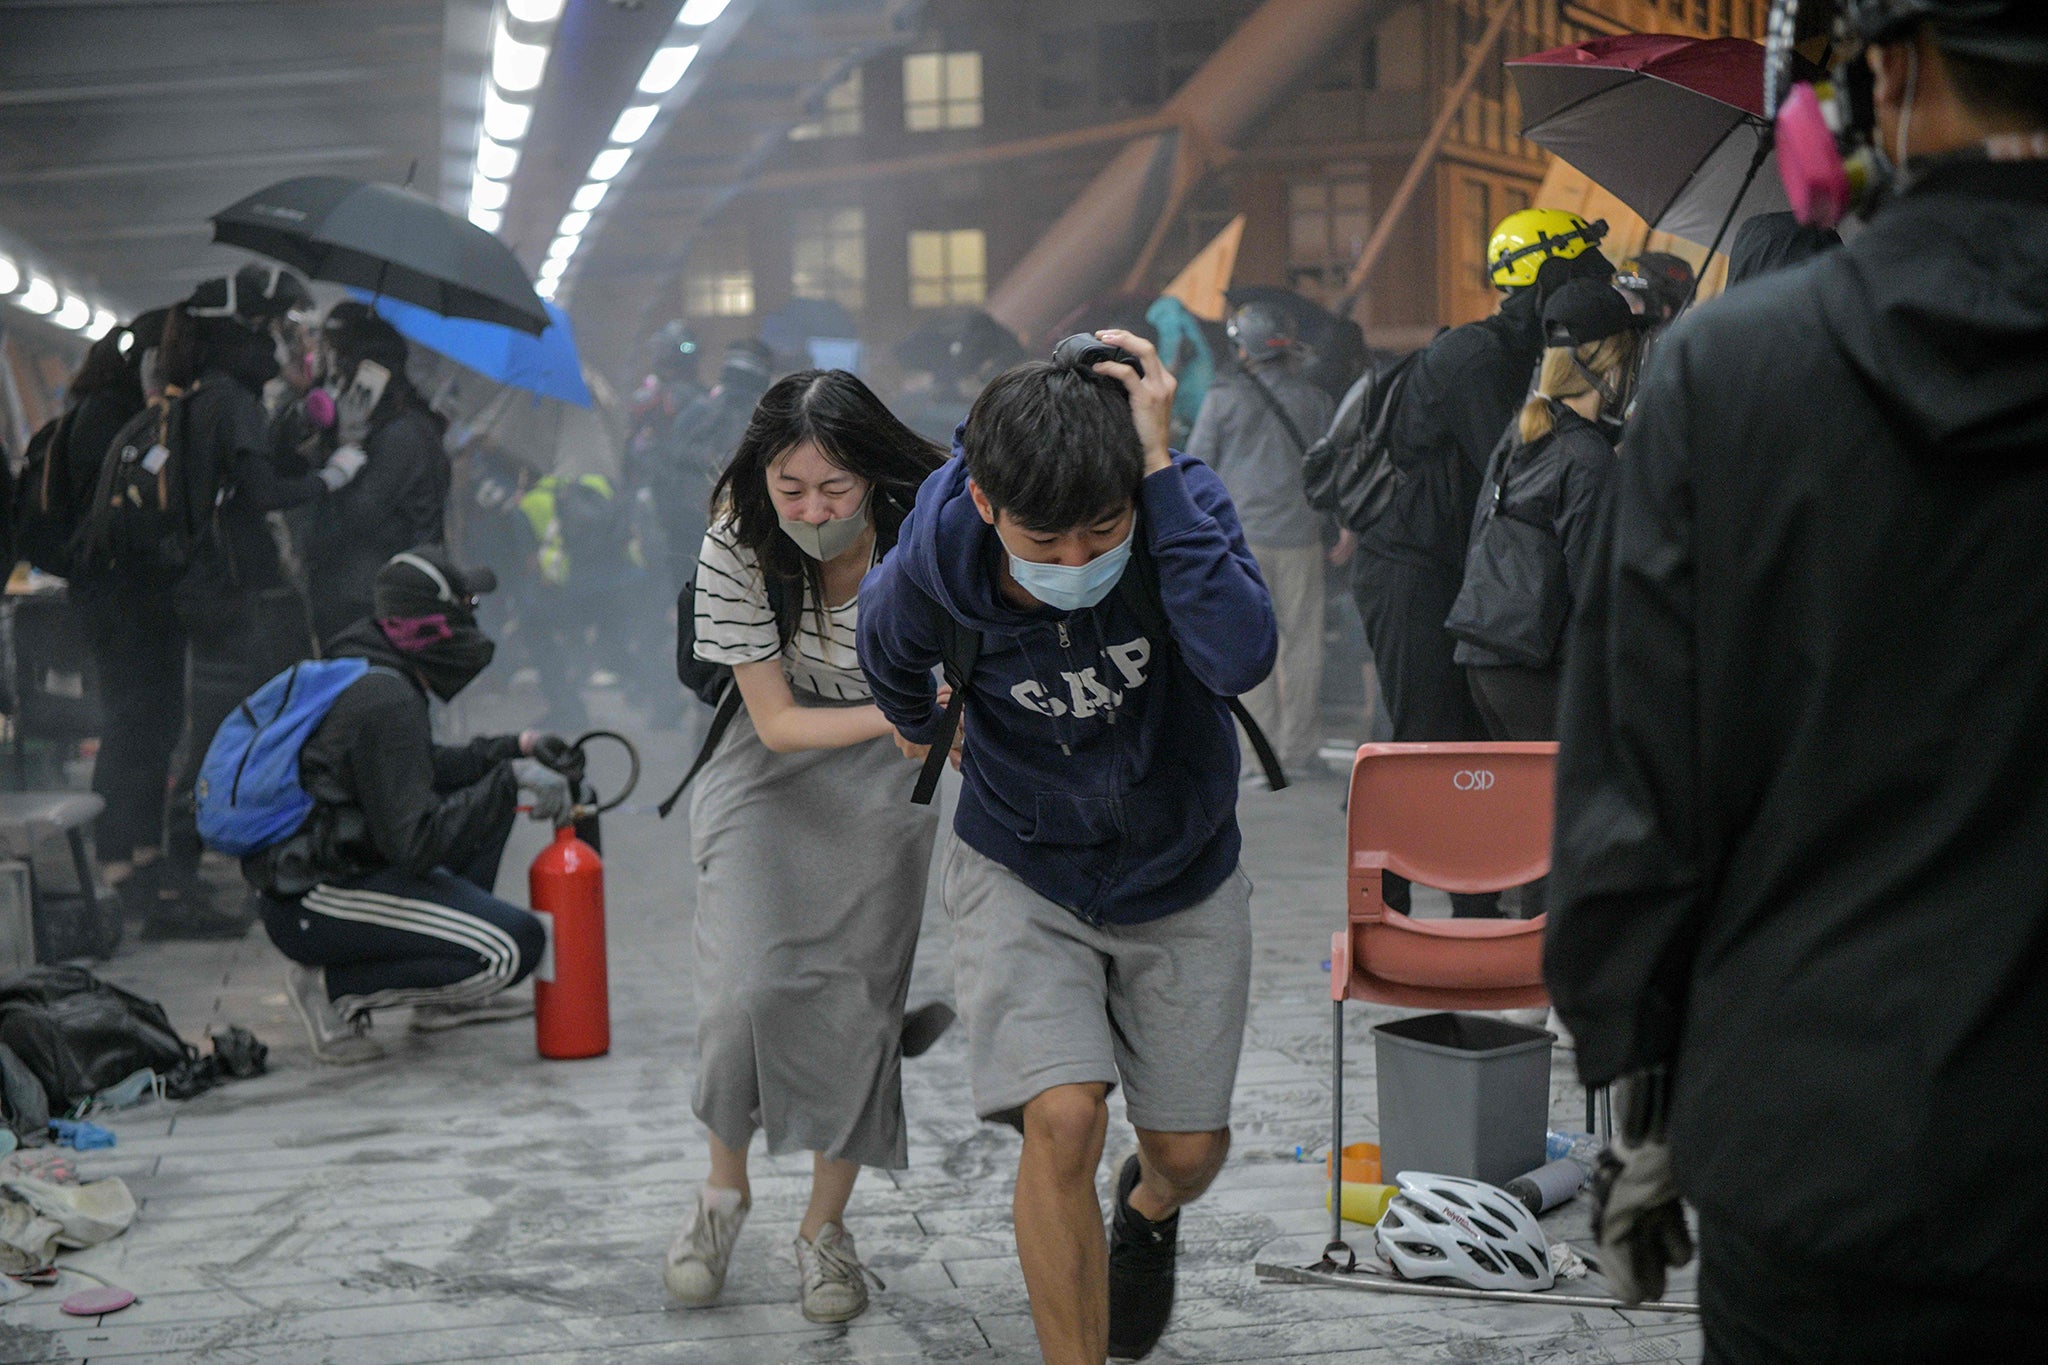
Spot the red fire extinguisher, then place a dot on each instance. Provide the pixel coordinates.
(565, 886)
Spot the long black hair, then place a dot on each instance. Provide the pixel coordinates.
(854, 430)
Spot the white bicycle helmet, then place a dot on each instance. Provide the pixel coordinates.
(1450, 1228)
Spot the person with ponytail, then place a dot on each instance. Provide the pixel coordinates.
(811, 860)
(1545, 486)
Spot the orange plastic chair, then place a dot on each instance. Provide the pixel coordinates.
(1462, 817)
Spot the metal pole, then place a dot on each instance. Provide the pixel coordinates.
(1282, 44)
(1336, 1121)
(1383, 230)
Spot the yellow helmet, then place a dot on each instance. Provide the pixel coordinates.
(1525, 240)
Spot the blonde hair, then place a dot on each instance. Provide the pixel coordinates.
(1559, 378)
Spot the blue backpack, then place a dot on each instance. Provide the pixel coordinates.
(248, 791)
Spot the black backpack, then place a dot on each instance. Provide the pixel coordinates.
(79, 1035)
(1139, 591)
(1350, 473)
(43, 517)
(140, 528)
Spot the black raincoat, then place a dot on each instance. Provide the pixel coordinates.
(1802, 820)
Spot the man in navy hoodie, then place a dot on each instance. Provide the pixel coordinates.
(1101, 923)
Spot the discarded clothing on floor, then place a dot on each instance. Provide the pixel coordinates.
(79, 1135)
(48, 1164)
(38, 1218)
(68, 1039)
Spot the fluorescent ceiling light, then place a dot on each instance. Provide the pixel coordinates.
(503, 119)
(41, 296)
(103, 322)
(487, 219)
(573, 225)
(488, 194)
(665, 68)
(75, 314)
(698, 13)
(562, 248)
(10, 273)
(546, 288)
(589, 197)
(535, 11)
(607, 164)
(553, 266)
(633, 122)
(496, 161)
(516, 66)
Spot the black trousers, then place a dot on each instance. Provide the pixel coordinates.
(390, 939)
(1758, 1308)
(236, 644)
(1519, 703)
(139, 648)
(1403, 606)
(1516, 702)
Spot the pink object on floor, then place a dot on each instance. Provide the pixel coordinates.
(88, 1303)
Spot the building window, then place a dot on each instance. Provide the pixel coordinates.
(839, 115)
(828, 256)
(1328, 222)
(720, 293)
(941, 90)
(948, 267)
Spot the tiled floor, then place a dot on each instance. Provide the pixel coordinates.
(464, 1200)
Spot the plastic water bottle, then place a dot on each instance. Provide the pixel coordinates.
(1583, 1148)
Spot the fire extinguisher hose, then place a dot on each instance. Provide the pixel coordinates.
(632, 772)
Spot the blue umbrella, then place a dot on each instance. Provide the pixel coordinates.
(546, 365)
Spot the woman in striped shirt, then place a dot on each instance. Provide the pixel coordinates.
(811, 860)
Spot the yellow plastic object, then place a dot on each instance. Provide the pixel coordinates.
(1361, 1164)
(1364, 1203)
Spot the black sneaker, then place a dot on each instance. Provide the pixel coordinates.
(1141, 1257)
(924, 1026)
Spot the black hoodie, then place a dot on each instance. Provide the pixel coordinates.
(384, 794)
(1802, 822)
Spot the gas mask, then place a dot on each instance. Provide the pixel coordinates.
(1829, 156)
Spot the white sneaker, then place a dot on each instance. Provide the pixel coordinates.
(337, 1039)
(834, 1281)
(694, 1270)
(503, 1005)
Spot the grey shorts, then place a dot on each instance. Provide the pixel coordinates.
(1049, 999)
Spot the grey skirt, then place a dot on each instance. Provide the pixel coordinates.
(811, 872)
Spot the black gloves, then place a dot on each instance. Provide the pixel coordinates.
(554, 752)
(1636, 1211)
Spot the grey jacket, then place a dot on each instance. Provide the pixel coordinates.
(1238, 435)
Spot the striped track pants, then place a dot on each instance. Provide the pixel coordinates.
(391, 939)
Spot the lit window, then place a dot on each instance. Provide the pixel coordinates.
(948, 267)
(941, 90)
(721, 294)
(839, 116)
(1328, 222)
(828, 256)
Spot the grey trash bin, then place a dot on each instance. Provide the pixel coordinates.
(1462, 1094)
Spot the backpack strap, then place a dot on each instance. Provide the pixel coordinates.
(962, 651)
(788, 611)
(1140, 591)
(1273, 403)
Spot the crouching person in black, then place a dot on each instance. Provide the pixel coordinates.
(383, 897)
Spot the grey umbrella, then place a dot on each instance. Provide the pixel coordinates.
(1673, 127)
(389, 241)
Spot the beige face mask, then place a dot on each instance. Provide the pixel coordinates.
(830, 539)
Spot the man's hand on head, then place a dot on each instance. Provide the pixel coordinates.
(1151, 393)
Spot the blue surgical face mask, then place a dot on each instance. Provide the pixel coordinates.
(1065, 587)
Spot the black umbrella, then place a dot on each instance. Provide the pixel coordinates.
(389, 241)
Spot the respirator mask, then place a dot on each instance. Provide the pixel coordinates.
(1831, 156)
(1826, 130)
